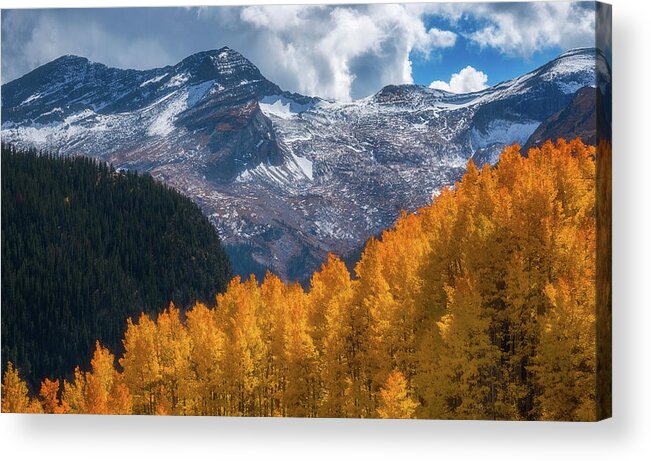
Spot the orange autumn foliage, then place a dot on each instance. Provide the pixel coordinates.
(480, 305)
(50, 397)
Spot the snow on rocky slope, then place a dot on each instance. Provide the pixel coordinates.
(290, 176)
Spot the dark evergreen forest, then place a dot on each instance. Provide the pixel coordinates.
(84, 247)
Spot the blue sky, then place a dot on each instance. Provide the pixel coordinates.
(495, 63)
(337, 51)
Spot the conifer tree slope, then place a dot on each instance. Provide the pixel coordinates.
(85, 247)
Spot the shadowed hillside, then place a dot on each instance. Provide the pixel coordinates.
(85, 247)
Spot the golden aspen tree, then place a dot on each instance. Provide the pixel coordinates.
(565, 363)
(514, 228)
(163, 404)
(273, 318)
(49, 395)
(15, 395)
(173, 349)
(465, 382)
(245, 350)
(103, 389)
(99, 381)
(553, 199)
(382, 333)
(140, 362)
(403, 250)
(438, 269)
(363, 363)
(331, 293)
(74, 393)
(533, 224)
(207, 349)
(96, 398)
(120, 401)
(300, 395)
(395, 402)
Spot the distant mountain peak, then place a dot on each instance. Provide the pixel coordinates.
(224, 63)
(68, 64)
(589, 50)
(224, 53)
(70, 58)
(578, 50)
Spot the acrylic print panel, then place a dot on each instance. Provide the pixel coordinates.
(376, 211)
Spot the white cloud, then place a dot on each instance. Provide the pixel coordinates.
(277, 19)
(333, 51)
(341, 52)
(521, 29)
(48, 38)
(466, 80)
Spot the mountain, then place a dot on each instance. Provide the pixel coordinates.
(584, 117)
(286, 178)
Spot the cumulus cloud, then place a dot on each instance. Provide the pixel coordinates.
(332, 51)
(521, 29)
(342, 52)
(277, 19)
(45, 38)
(466, 80)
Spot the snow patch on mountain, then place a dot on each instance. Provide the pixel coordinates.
(177, 80)
(197, 92)
(74, 118)
(153, 80)
(176, 103)
(292, 173)
(163, 124)
(572, 62)
(282, 107)
(503, 132)
(53, 134)
(56, 110)
(38, 135)
(573, 70)
(31, 98)
(304, 165)
(574, 86)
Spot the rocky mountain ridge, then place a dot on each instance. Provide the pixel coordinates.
(285, 177)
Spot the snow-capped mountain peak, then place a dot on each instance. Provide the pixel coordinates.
(289, 176)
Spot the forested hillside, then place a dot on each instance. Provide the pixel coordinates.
(479, 306)
(85, 247)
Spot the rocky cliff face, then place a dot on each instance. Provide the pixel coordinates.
(586, 116)
(287, 176)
